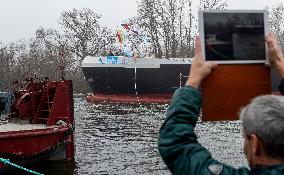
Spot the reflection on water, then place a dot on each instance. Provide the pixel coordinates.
(119, 139)
(122, 139)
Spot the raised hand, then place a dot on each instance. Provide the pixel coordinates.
(199, 67)
(275, 54)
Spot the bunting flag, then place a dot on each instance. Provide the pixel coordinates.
(125, 30)
(144, 38)
(120, 36)
(126, 26)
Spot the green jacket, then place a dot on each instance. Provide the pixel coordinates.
(178, 143)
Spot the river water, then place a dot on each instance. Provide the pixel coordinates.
(122, 139)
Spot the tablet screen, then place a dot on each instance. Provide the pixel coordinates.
(233, 36)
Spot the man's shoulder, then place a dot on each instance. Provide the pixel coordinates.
(222, 169)
(216, 168)
(273, 170)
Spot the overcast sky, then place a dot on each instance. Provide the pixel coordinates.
(19, 19)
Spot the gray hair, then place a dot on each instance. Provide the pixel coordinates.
(264, 116)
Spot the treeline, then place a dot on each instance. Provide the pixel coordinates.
(49, 50)
(171, 26)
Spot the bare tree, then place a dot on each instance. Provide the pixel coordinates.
(58, 52)
(276, 22)
(7, 52)
(49, 50)
(57, 48)
(86, 35)
(213, 4)
(10, 56)
(147, 20)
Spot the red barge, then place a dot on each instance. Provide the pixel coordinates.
(40, 122)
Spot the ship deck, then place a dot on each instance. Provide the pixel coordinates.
(8, 127)
(11, 125)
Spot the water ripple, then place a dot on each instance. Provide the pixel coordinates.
(122, 139)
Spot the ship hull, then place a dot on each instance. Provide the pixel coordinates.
(39, 124)
(30, 146)
(157, 78)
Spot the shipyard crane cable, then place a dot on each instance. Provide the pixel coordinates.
(7, 162)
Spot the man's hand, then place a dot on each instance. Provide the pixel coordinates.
(275, 54)
(199, 68)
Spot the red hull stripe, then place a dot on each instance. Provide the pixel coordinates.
(141, 98)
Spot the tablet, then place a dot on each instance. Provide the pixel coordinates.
(233, 36)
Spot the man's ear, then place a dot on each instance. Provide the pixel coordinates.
(256, 145)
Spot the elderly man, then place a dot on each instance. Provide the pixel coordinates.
(263, 126)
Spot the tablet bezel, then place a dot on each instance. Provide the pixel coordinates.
(202, 37)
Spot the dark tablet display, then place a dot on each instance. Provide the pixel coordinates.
(233, 36)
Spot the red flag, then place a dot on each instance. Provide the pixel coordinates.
(118, 36)
(126, 26)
